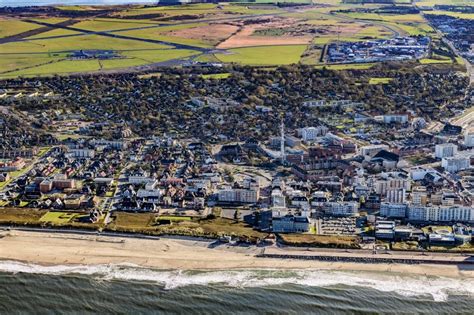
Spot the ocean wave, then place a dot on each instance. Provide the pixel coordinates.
(439, 288)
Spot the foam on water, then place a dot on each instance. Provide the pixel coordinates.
(437, 287)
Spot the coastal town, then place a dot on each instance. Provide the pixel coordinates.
(359, 178)
(365, 141)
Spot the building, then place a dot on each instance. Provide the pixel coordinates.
(469, 139)
(440, 214)
(314, 103)
(370, 150)
(419, 196)
(445, 150)
(382, 185)
(290, 224)
(239, 195)
(385, 230)
(278, 199)
(341, 209)
(456, 163)
(396, 195)
(395, 118)
(14, 165)
(393, 210)
(312, 133)
(60, 181)
(82, 153)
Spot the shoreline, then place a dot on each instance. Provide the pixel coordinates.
(56, 249)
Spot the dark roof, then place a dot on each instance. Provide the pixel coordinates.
(386, 155)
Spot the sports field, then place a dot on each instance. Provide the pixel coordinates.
(130, 37)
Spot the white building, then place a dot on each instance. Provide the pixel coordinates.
(239, 195)
(456, 163)
(278, 199)
(419, 196)
(343, 209)
(371, 150)
(312, 133)
(398, 118)
(469, 139)
(290, 224)
(441, 214)
(445, 150)
(382, 185)
(82, 153)
(314, 103)
(393, 210)
(396, 195)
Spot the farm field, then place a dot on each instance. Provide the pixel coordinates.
(241, 33)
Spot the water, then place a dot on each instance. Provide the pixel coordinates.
(28, 288)
(23, 3)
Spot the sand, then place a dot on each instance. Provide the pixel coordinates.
(64, 249)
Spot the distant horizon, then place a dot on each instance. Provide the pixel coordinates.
(30, 3)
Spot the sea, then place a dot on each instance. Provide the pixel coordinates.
(128, 289)
(24, 3)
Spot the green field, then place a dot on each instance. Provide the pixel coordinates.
(216, 76)
(281, 55)
(188, 25)
(10, 27)
(58, 217)
(380, 80)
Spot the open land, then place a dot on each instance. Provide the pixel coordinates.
(47, 43)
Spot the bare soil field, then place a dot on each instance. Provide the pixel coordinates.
(246, 37)
(212, 33)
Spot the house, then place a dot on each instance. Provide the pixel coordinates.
(290, 224)
(386, 158)
(4, 177)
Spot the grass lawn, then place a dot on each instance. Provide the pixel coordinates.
(58, 217)
(20, 216)
(280, 55)
(63, 66)
(380, 80)
(124, 221)
(55, 32)
(427, 61)
(159, 55)
(10, 27)
(331, 241)
(215, 76)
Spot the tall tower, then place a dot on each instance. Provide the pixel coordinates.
(282, 142)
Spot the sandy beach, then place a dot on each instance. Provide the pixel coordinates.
(173, 254)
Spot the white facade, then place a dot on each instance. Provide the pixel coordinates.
(239, 195)
(344, 209)
(445, 150)
(82, 153)
(314, 103)
(393, 210)
(311, 133)
(371, 150)
(469, 139)
(456, 163)
(441, 214)
(278, 199)
(381, 186)
(396, 195)
(388, 119)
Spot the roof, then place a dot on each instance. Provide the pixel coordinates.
(386, 155)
